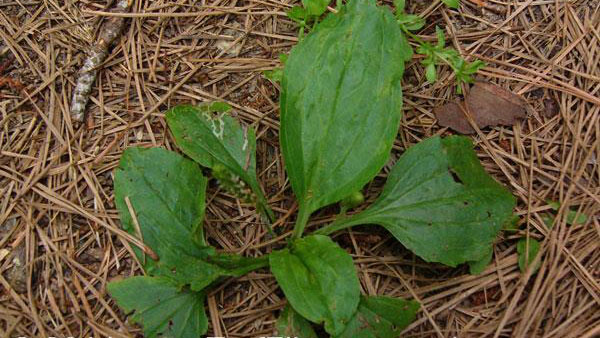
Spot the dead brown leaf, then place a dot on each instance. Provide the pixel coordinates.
(488, 104)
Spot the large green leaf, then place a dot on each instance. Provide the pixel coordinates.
(319, 280)
(166, 193)
(440, 203)
(380, 317)
(160, 307)
(218, 140)
(291, 324)
(341, 101)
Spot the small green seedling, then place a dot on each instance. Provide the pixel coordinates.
(437, 54)
(339, 121)
(309, 12)
(574, 217)
(527, 249)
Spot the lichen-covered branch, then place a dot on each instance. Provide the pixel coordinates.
(111, 29)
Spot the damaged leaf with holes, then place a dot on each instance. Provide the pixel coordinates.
(440, 203)
(210, 136)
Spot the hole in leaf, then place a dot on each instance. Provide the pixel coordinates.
(455, 176)
(489, 214)
(466, 203)
(394, 327)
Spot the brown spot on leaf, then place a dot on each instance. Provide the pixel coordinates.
(488, 104)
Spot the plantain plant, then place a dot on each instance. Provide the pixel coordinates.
(341, 106)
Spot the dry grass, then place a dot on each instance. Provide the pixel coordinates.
(57, 205)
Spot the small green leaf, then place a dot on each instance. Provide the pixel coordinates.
(574, 219)
(274, 75)
(439, 202)
(297, 14)
(315, 7)
(431, 73)
(553, 204)
(410, 22)
(319, 280)
(548, 220)
(441, 37)
(400, 5)
(160, 307)
(527, 249)
(341, 100)
(451, 3)
(474, 66)
(477, 267)
(380, 317)
(291, 324)
(211, 139)
(166, 193)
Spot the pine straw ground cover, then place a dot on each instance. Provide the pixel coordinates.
(57, 207)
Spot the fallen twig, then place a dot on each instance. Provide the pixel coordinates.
(87, 75)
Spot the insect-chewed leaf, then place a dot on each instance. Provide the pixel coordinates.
(166, 194)
(209, 139)
(341, 102)
(440, 203)
(291, 324)
(217, 140)
(160, 307)
(319, 280)
(380, 317)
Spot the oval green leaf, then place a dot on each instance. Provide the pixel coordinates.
(341, 103)
(527, 249)
(315, 7)
(210, 136)
(380, 317)
(319, 280)
(160, 307)
(440, 203)
(166, 193)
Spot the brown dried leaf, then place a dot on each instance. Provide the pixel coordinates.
(488, 104)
